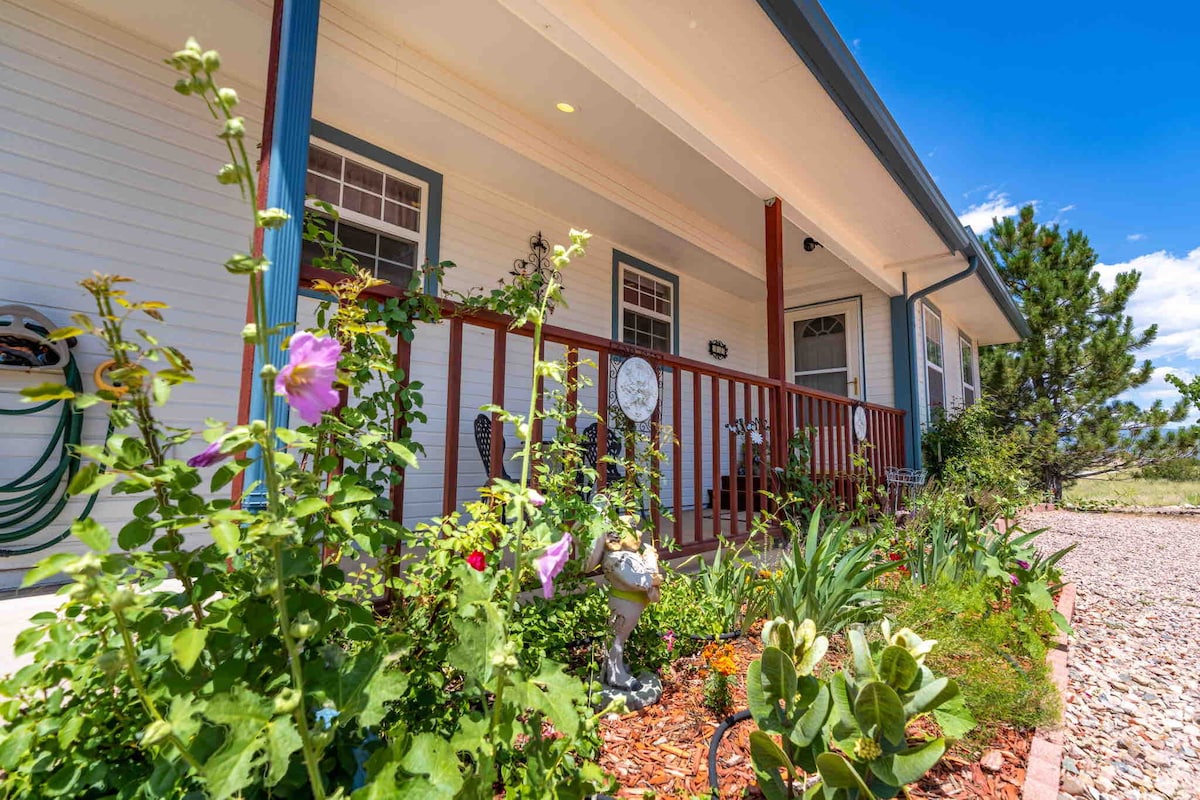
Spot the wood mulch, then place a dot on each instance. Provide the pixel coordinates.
(662, 751)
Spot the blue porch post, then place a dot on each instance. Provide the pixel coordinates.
(285, 189)
(905, 377)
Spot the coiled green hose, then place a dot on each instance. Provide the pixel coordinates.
(31, 502)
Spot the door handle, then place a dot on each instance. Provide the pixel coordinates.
(855, 382)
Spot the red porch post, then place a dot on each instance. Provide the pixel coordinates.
(776, 352)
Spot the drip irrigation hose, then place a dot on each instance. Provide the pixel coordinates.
(31, 502)
(715, 743)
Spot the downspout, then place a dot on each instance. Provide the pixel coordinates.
(914, 401)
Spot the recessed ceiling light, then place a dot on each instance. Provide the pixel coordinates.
(566, 108)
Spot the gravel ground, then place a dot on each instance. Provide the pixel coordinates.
(1133, 704)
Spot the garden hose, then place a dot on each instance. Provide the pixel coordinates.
(31, 502)
(715, 743)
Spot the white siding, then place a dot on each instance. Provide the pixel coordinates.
(103, 167)
(808, 286)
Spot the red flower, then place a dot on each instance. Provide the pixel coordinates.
(476, 561)
(895, 556)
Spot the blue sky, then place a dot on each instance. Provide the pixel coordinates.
(1090, 110)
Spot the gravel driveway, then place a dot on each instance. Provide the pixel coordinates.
(1133, 704)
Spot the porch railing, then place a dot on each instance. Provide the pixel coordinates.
(712, 475)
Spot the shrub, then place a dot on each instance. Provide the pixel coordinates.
(965, 453)
(1177, 469)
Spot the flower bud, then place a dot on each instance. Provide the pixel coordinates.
(183, 86)
(156, 732)
(250, 332)
(272, 217)
(286, 701)
(268, 371)
(227, 97)
(211, 60)
(191, 45)
(265, 586)
(257, 427)
(866, 749)
(234, 128)
(122, 599)
(303, 627)
(228, 174)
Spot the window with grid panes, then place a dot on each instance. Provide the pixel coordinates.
(935, 371)
(647, 310)
(970, 385)
(381, 219)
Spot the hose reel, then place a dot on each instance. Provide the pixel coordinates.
(32, 501)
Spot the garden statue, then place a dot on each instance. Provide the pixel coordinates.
(631, 567)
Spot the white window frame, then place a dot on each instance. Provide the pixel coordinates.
(622, 305)
(371, 223)
(967, 358)
(928, 312)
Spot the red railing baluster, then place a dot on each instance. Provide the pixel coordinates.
(496, 454)
(733, 458)
(716, 455)
(453, 401)
(697, 458)
(748, 459)
(677, 452)
(602, 423)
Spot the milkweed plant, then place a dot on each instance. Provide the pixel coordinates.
(216, 648)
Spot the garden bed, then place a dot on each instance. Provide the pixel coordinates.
(662, 751)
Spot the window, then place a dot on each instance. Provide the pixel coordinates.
(970, 383)
(819, 354)
(935, 374)
(646, 305)
(382, 218)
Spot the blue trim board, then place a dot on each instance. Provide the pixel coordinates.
(285, 189)
(903, 371)
(433, 217)
(619, 258)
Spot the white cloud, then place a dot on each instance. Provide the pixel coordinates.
(979, 216)
(1066, 208)
(1169, 296)
(854, 43)
(1135, 237)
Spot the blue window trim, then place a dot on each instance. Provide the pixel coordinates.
(433, 216)
(619, 258)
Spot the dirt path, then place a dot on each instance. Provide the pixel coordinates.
(1133, 705)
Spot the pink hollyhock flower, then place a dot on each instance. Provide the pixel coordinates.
(477, 561)
(551, 562)
(536, 498)
(307, 380)
(208, 456)
(669, 638)
(1022, 564)
(1015, 580)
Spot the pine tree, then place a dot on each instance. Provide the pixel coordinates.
(1061, 385)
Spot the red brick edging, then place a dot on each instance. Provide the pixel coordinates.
(1042, 773)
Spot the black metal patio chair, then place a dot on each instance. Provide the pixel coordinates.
(483, 442)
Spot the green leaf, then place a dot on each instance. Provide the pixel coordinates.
(768, 759)
(282, 741)
(89, 480)
(809, 726)
(245, 716)
(385, 685)
(307, 506)
(227, 537)
(897, 667)
(837, 773)
(93, 534)
(864, 667)
(186, 647)
(954, 718)
(135, 533)
(909, 766)
(46, 568)
(403, 453)
(930, 696)
(878, 708)
(14, 744)
(161, 390)
(46, 391)
(65, 332)
(357, 494)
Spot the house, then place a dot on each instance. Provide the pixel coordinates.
(764, 234)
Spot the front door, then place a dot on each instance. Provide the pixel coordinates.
(825, 348)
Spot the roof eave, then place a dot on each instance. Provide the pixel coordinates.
(806, 27)
(996, 288)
